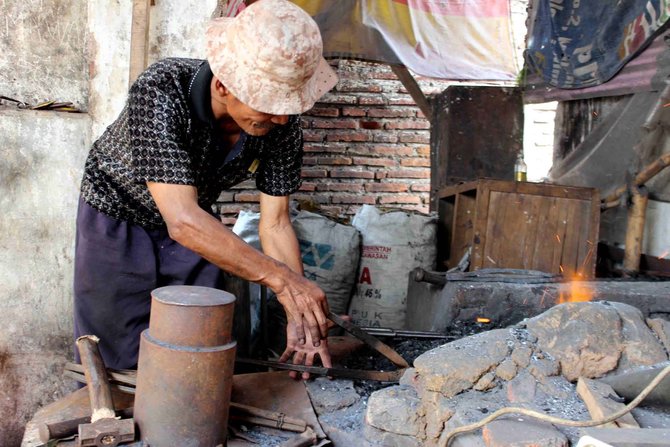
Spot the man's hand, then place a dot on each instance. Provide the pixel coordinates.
(303, 353)
(304, 302)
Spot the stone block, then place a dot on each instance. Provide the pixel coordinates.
(330, 395)
(507, 369)
(641, 347)
(458, 365)
(521, 356)
(386, 439)
(396, 410)
(514, 433)
(522, 388)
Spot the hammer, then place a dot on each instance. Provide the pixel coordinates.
(105, 430)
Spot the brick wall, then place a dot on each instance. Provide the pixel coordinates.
(366, 142)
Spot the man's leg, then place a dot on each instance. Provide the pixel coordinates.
(115, 272)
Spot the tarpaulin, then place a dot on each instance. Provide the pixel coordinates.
(450, 39)
(576, 43)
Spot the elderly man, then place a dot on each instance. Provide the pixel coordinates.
(189, 130)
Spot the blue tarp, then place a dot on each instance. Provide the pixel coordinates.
(580, 43)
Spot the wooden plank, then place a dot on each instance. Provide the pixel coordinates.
(495, 228)
(599, 399)
(479, 231)
(463, 227)
(531, 213)
(630, 437)
(546, 242)
(413, 89)
(572, 239)
(139, 39)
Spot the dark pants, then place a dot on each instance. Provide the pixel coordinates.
(117, 265)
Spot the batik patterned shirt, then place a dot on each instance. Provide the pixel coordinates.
(166, 134)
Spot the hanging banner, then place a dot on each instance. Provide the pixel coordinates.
(576, 44)
(449, 39)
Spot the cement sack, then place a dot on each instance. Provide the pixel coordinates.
(329, 251)
(393, 244)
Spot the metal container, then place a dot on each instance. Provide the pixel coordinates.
(185, 369)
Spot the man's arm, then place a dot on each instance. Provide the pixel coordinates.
(279, 241)
(200, 232)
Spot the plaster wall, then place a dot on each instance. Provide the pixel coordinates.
(42, 157)
(43, 53)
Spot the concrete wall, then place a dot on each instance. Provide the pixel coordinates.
(42, 156)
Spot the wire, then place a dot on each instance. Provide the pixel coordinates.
(446, 438)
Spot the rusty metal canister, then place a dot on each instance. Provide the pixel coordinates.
(185, 368)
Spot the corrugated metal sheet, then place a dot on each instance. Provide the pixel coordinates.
(646, 72)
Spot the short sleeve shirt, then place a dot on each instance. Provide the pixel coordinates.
(166, 134)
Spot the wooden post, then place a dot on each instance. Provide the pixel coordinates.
(139, 39)
(414, 90)
(635, 229)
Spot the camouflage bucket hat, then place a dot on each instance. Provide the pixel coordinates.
(270, 57)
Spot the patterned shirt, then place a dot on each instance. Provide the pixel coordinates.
(166, 134)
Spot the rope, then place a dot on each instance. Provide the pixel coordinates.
(446, 438)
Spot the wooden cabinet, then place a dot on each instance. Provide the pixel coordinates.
(519, 225)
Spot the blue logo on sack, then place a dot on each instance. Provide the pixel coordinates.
(317, 255)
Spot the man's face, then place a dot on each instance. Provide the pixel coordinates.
(252, 121)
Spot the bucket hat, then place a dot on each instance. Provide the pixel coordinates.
(270, 56)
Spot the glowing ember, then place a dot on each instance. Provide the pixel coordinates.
(558, 238)
(579, 291)
(483, 320)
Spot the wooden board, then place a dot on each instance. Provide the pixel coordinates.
(520, 225)
(631, 437)
(600, 400)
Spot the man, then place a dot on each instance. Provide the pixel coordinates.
(191, 129)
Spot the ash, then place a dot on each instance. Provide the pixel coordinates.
(409, 348)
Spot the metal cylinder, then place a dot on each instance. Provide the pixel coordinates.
(185, 368)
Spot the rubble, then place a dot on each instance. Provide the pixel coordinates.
(533, 364)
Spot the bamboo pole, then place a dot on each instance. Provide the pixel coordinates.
(643, 177)
(635, 230)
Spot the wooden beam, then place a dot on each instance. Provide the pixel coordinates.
(630, 437)
(139, 39)
(414, 90)
(600, 400)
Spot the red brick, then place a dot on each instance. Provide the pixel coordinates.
(331, 148)
(423, 209)
(421, 162)
(311, 197)
(247, 184)
(232, 208)
(334, 161)
(324, 111)
(385, 137)
(414, 137)
(420, 187)
(353, 111)
(247, 197)
(348, 136)
(315, 136)
(347, 187)
(376, 100)
(308, 160)
(376, 149)
(332, 98)
(369, 161)
(372, 125)
(330, 210)
(314, 173)
(408, 173)
(400, 100)
(348, 198)
(380, 175)
(305, 123)
(408, 124)
(319, 123)
(398, 198)
(392, 113)
(229, 221)
(386, 187)
(306, 186)
(423, 151)
(358, 86)
(225, 196)
(351, 173)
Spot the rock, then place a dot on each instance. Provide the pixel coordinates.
(661, 328)
(382, 438)
(506, 370)
(486, 382)
(345, 427)
(330, 395)
(438, 410)
(521, 389)
(543, 367)
(528, 433)
(572, 334)
(641, 346)
(458, 365)
(396, 410)
(521, 356)
(410, 377)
